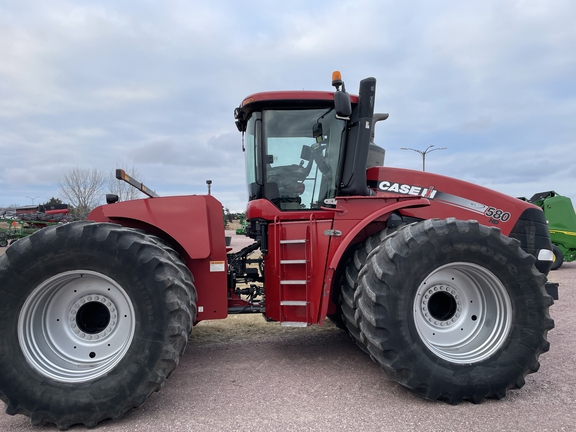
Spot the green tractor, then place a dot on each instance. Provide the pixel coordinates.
(561, 219)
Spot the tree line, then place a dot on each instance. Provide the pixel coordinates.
(83, 188)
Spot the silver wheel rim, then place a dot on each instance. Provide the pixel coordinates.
(462, 312)
(76, 326)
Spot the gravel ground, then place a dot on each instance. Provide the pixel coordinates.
(245, 374)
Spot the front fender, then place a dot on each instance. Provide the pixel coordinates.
(194, 222)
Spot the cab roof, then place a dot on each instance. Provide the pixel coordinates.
(304, 97)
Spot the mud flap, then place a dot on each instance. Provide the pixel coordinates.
(552, 289)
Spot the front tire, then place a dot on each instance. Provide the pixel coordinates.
(97, 316)
(453, 310)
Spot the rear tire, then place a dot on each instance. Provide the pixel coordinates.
(453, 310)
(558, 258)
(97, 316)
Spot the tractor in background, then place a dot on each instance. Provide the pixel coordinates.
(561, 219)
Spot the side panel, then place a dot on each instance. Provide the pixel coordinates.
(194, 226)
(448, 197)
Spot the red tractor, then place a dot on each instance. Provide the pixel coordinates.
(441, 282)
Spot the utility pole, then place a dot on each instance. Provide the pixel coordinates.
(429, 149)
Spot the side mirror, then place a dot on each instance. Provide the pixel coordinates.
(342, 105)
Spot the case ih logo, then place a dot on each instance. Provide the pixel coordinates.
(406, 189)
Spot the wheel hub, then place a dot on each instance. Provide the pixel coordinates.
(92, 317)
(441, 305)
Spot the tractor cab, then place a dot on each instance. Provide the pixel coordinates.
(293, 156)
(303, 148)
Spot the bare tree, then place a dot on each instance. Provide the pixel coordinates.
(124, 191)
(82, 188)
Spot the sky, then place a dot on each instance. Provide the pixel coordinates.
(152, 85)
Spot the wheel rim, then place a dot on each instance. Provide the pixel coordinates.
(76, 326)
(462, 312)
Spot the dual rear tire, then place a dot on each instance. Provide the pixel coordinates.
(452, 310)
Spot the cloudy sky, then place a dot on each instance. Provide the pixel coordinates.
(152, 85)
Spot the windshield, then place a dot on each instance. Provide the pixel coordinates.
(301, 153)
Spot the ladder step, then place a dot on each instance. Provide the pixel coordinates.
(293, 324)
(292, 261)
(293, 282)
(292, 241)
(293, 303)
